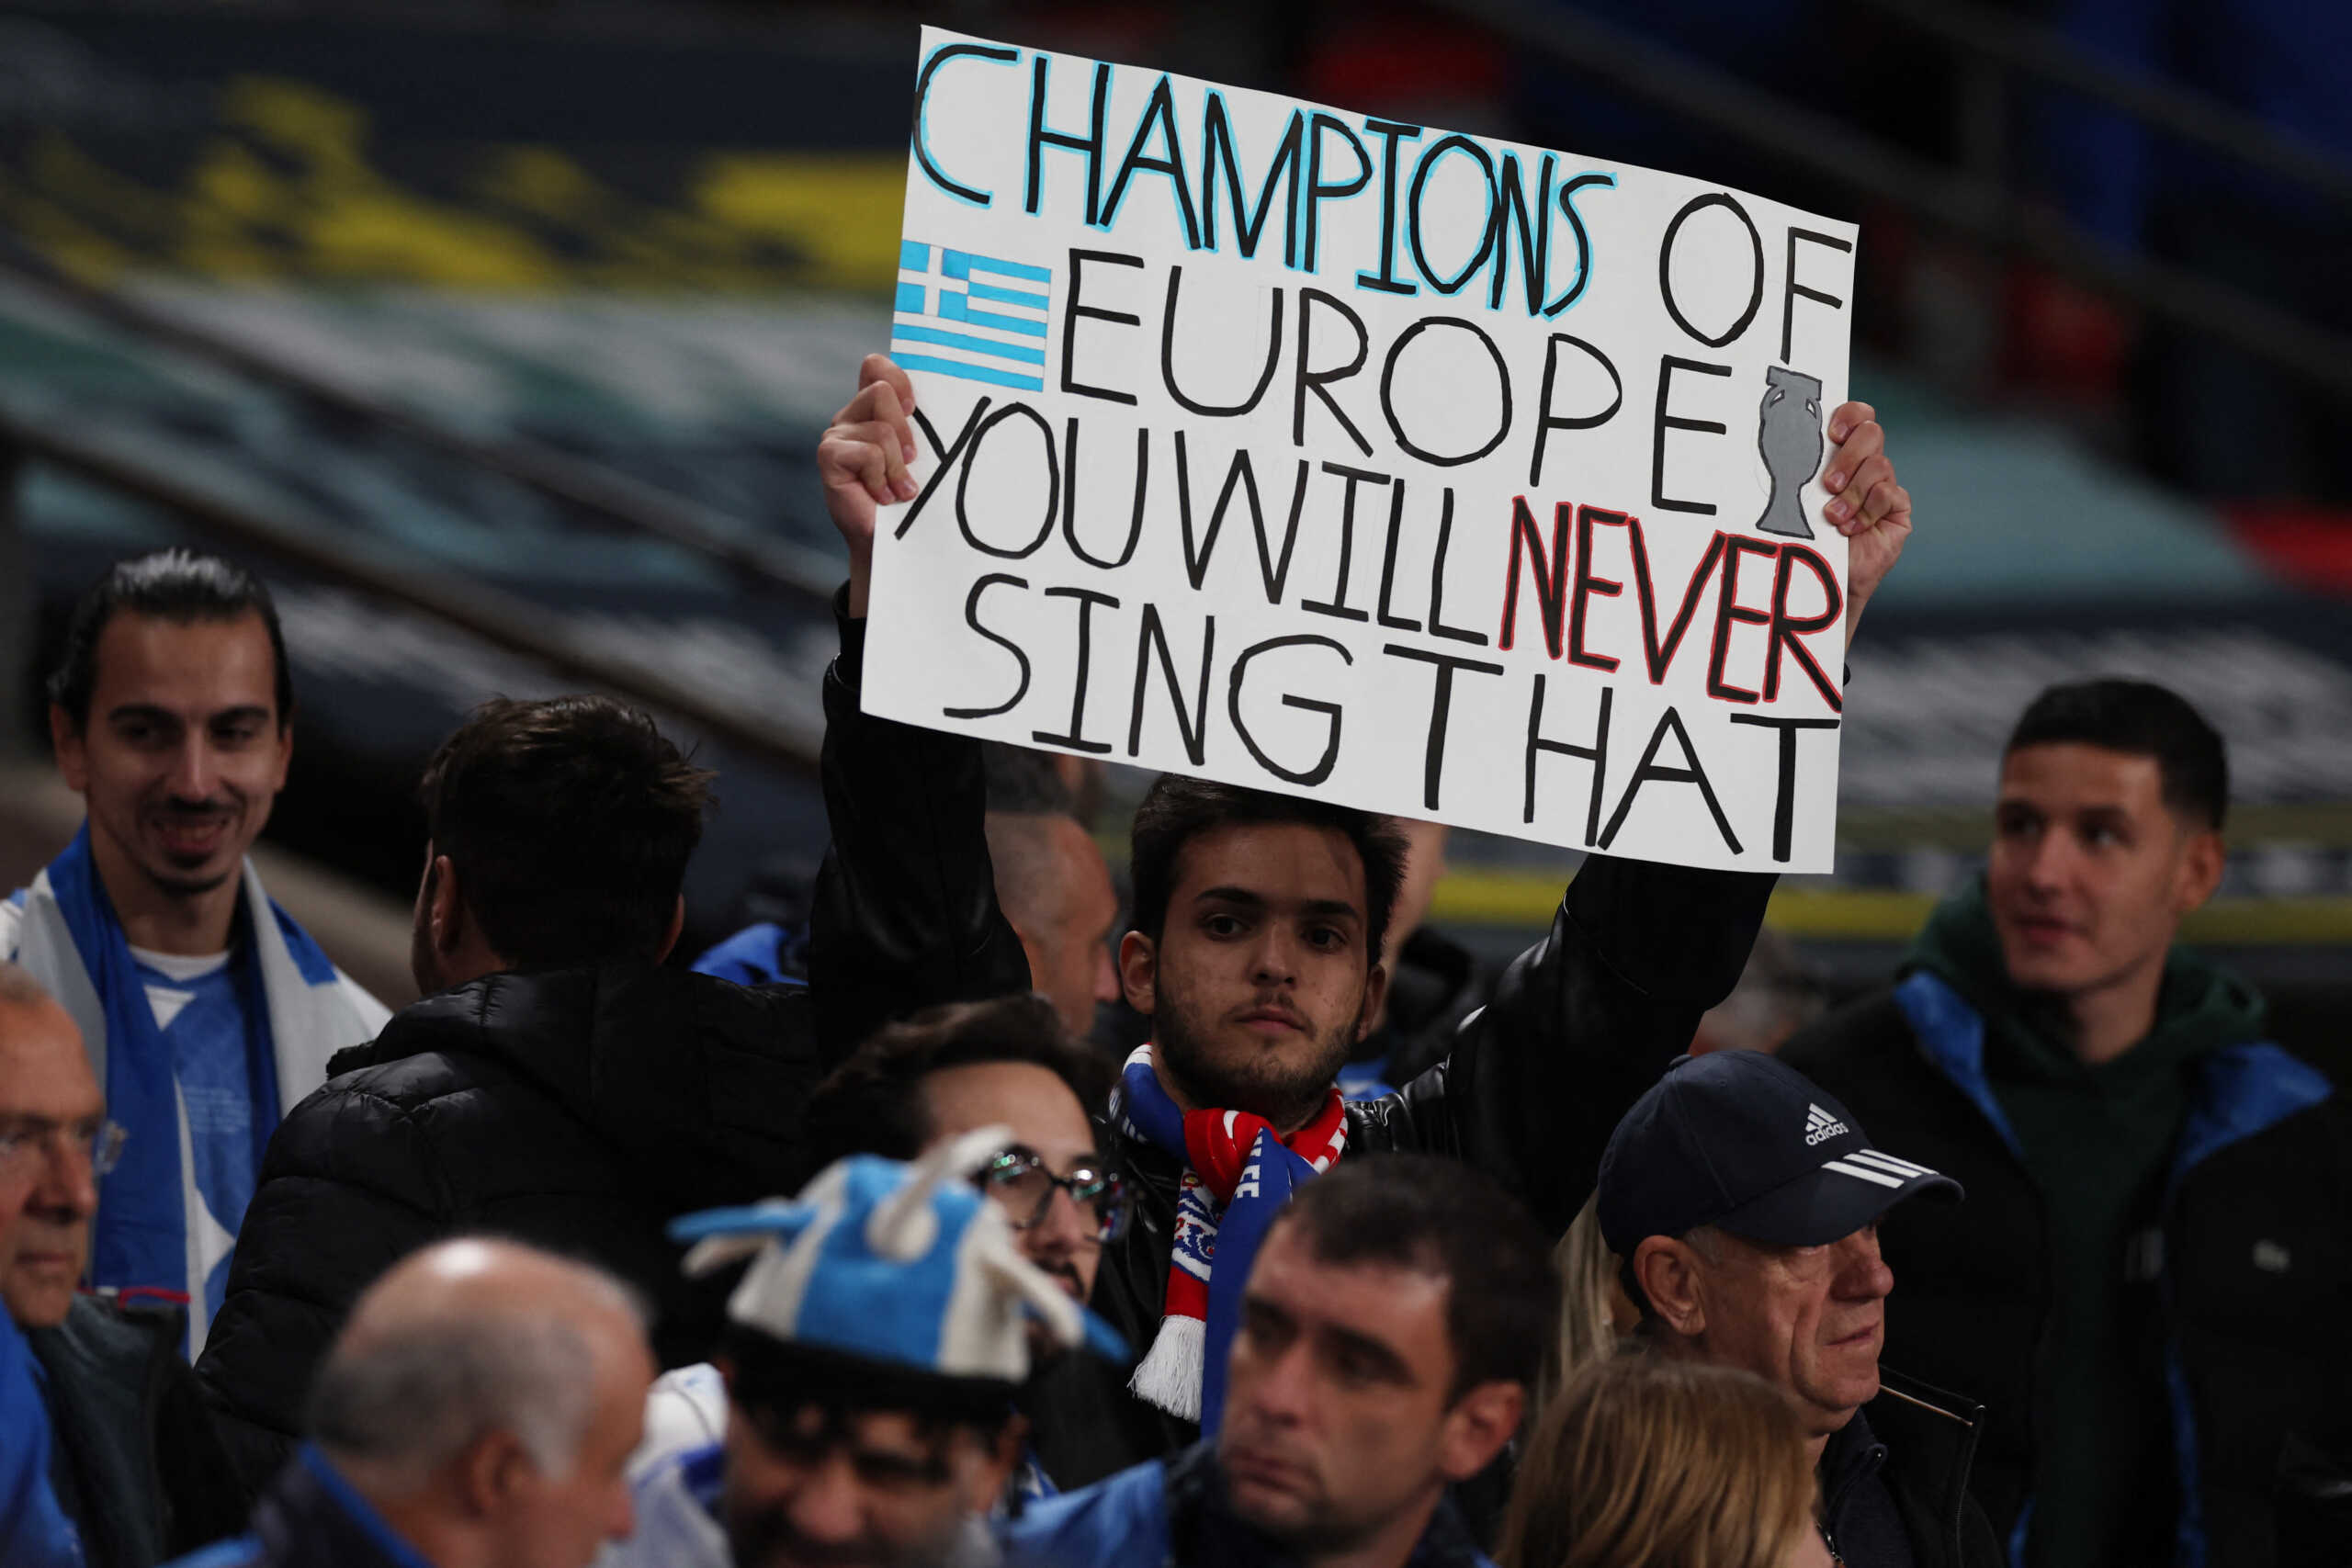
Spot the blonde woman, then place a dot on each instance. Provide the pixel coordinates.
(1595, 1315)
(1642, 1462)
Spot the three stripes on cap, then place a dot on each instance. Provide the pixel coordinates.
(1869, 1165)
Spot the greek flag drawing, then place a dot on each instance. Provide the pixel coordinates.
(980, 317)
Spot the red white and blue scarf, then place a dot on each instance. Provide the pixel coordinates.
(1239, 1172)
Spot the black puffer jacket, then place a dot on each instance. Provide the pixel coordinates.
(582, 1110)
(136, 1466)
(2246, 1261)
(577, 1109)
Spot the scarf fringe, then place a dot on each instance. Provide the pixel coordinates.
(1169, 1377)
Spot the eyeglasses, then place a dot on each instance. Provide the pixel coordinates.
(23, 1138)
(1019, 1180)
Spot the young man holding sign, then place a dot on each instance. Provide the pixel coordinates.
(1257, 954)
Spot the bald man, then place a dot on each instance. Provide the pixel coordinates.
(136, 1464)
(34, 1531)
(476, 1411)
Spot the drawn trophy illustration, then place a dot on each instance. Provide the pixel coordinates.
(1788, 433)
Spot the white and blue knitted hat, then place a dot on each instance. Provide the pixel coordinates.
(890, 1269)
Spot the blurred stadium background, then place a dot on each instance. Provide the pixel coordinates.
(500, 335)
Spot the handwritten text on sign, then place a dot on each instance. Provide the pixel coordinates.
(1436, 475)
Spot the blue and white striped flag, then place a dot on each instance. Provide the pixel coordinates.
(977, 316)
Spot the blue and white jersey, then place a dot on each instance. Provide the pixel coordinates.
(201, 1012)
(676, 1502)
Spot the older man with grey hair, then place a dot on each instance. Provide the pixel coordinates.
(476, 1411)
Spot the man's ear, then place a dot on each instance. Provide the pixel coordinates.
(677, 924)
(2202, 864)
(72, 757)
(1667, 1270)
(446, 919)
(284, 750)
(492, 1472)
(992, 1472)
(1375, 991)
(1139, 972)
(1475, 1429)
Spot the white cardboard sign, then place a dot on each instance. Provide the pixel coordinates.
(1432, 474)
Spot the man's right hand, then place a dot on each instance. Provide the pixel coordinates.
(862, 461)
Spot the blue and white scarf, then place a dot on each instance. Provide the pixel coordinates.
(153, 1234)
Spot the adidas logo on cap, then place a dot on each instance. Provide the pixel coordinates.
(1820, 1125)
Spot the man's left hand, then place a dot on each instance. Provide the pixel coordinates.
(1865, 504)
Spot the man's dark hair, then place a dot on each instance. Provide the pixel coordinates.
(1025, 781)
(570, 822)
(1440, 1216)
(169, 585)
(1178, 809)
(872, 1103)
(2140, 719)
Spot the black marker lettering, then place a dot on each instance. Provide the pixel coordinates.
(1069, 498)
(1153, 639)
(1441, 709)
(1087, 600)
(1792, 288)
(1547, 422)
(972, 619)
(1665, 267)
(1667, 365)
(1338, 605)
(1647, 772)
(1437, 580)
(1388, 618)
(1052, 483)
(1160, 112)
(1168, 355)
(1309, 379)
(1091, 144)
(1072, 312)
(1322, 768)
(922, 93)
(946, 459)
(1784, 798)
(1386, 281)
(1597, 754)
(1388, 384)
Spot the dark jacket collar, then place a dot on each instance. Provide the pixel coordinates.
(1203, 1530)
(663, 1064)
(311, 1515)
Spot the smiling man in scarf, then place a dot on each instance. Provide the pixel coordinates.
(206, 1010)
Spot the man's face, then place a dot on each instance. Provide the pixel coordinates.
(184, 752)
(1046, 1119)
(1069, 957)
(47, 1095)
(2090, 872)
(560, 1521)
(1810, 1320)
(1260, 983)
(879, 1492)
(1340, 1414)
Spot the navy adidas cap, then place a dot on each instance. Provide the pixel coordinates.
(1740, 1140)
